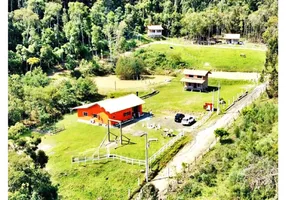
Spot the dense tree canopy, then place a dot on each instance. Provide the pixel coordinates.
(65, 32)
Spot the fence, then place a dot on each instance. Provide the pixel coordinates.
(108, 157)
(132, 161)
(165, 147)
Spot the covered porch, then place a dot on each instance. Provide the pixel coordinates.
(194, 84)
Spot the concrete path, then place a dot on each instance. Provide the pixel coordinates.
(201, 143)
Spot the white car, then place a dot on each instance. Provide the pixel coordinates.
(188, 120)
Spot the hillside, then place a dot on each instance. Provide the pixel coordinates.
(243, 165)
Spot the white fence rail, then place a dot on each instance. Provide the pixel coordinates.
(165, 147)
(128, 160)
(108, 157)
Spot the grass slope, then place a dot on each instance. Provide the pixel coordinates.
(94, 180)
(214, 58)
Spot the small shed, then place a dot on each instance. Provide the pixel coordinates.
(231, 38)
(155, 31)
(123, 109)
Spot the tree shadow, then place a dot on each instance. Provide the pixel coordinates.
(226, 141)
(211, 88)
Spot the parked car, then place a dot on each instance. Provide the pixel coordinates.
(188, 120)
(179, 117)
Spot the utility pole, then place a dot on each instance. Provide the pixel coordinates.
(218, 98)
(146, 154)
(213, 101)
(146, 157)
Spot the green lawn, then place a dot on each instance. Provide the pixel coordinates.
(215, 58)
(105, 179)
(95, 180)
(173, 98)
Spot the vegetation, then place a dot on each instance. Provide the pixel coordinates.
(221, 133)
(64, 33)
(180, 100)
(271, 64)
(100, 179)
(161, 57)
(244, 167)
(35, 100)
(128, 68)
(86, 39)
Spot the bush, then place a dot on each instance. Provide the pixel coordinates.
(220, 132)
(92, 67)
(128, 68)
(15, 131)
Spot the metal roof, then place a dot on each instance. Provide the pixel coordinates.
(231, 36)
(192, 80)
(117, 104)
(155, 27)
(196, 72)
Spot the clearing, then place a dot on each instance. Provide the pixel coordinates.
(90, 181)
(112, 82)
(207, 57)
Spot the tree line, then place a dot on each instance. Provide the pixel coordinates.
(50, 33)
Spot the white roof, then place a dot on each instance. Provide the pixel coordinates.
(231, 36)
(117, 104)
(155, 27)
(196, 72)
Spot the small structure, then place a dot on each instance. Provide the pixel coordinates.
(208, 106)
(195, 79)
(155, 31)
(231, 38)
(122, 109)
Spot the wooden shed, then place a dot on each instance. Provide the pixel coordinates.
(123, 109)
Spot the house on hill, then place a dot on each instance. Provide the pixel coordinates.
(195, 79)
(232, 38)
(154, 31)
(123, 109)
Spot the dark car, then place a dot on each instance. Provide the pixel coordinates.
(179, 117)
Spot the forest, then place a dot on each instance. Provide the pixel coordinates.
(66, 33)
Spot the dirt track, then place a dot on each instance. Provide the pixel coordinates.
(202, 142)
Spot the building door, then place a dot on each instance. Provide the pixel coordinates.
(135, 111)
(195, 85)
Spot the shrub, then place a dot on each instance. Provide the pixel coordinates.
(128, 68)
(220, 132)
(15, 131)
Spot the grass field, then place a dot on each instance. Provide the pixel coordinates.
(105, 179)
(215, 58)
(94, 180)
(172, 97)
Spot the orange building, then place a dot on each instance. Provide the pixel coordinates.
(123, 109)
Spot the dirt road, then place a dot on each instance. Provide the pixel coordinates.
(187, 45)
(202, 142)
